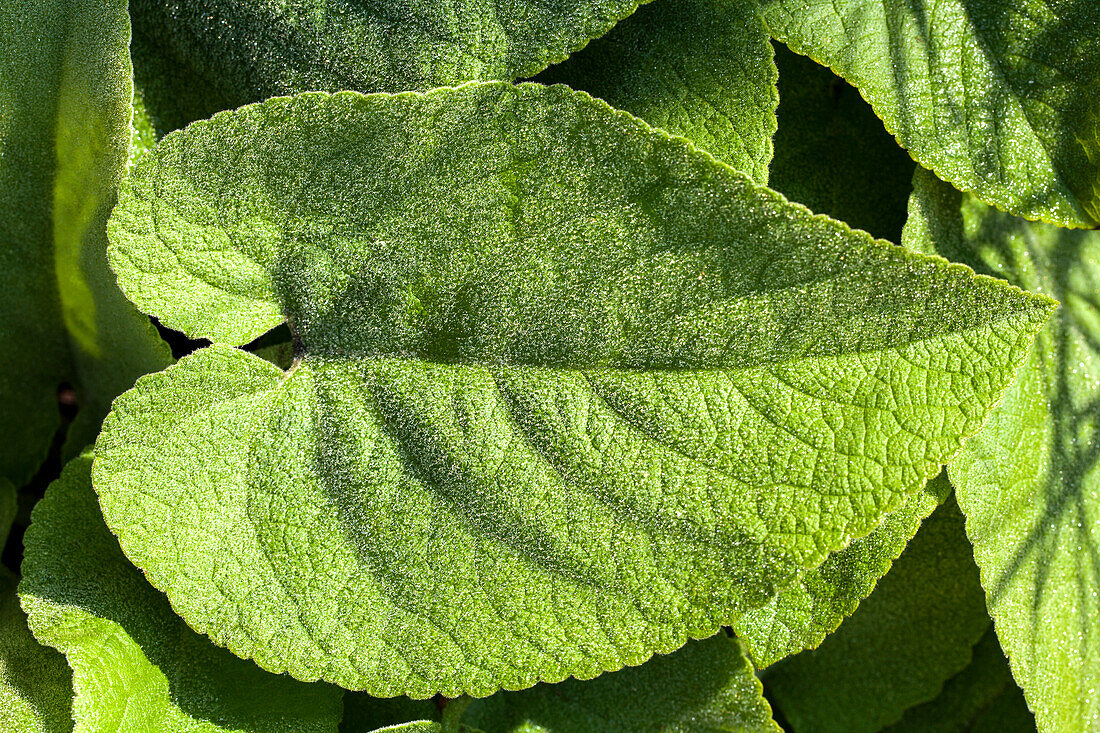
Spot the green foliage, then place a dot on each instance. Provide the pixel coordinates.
(705, 687)
(36, 685)
(698, 68)
(999, 97)
(511, 390)
(1029, 484)
(64, 138)
(461, 320)
(912, 633)
(136, 665)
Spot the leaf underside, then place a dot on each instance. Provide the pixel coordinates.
(503, 454)
(1029, 483)
(999, 97)
(137, 666)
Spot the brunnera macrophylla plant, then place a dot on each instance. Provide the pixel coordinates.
(507, 396)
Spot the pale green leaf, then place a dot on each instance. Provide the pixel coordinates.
(698, 68)
(999, 97)
(833, 155)
(915, 631)
(982, 687)
(249, 50)
(36, 686)
(801, 614)
(706, 687)
(1029, 484)
(569, 391)
(64, 134)
(137, 666)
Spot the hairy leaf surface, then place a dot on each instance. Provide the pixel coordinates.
(65, 95)
(913, 633)
(801, 614)
(1030, 484)
(708, 686)
(137, 665)
(698, 68)
(569, 391)
(249, 50)
(36, 686)
(999, 97)
(982, 687)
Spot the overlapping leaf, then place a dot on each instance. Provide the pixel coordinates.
(801, 614)
(912, 634)
(707, 687)
(698, 68)
(36, 686)
(65, 95)
(999, 97)
(981, 689)
(248, 50)
(504, 454)
(363, 713)
(1029, 484)
(137, 666)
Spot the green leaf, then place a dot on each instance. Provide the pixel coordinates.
(916, 630)
(249, 50)
(137, 665)
(982, 687)
(569, 391)
(999, 97)
(364, 713)
(36, 686)
(1029, 484)
(801, 614)
(706, 687)
(833, 155)
(64, 136)
(698, 68)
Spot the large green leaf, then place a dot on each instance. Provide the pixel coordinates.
(801, 614)
(904, 641)
(248, 50)
(1029, 484)
(999, 97)
(569, 391)
(833, 155)
(698, 68)
(707, 687)
(36, 686)
(64, 134)
(137, 666)
(982, 687)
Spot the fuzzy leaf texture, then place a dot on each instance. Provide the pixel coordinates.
(569, 391)
(36, 686)
(65, 94)
(998, 97)
(914, 632)
(708, 686)
(249, 50)
(803, 612)
(1029, 484)
(136, 665)
(698, 68)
